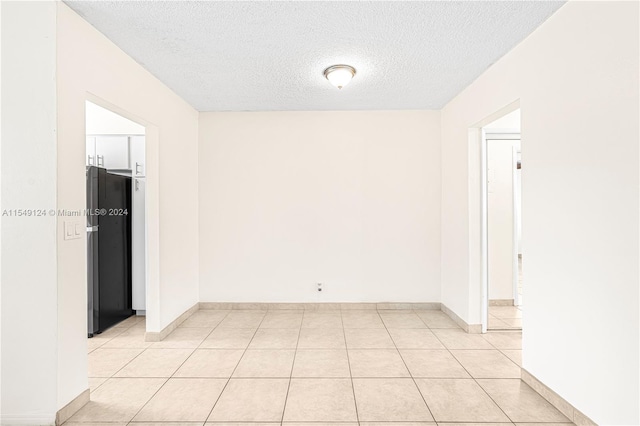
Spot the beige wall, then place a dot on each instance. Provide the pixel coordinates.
(92, 67)
(349, 199)
(576, 79)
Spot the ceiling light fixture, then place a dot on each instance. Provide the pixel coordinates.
(339, 75)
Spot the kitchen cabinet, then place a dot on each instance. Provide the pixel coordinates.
(138, 245)
(138, 237)
(136, 144)
(91, 151)
(112, 152)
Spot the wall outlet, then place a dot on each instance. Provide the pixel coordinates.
(319, 287)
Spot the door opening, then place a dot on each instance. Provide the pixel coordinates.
(116, 222)
(502, 222)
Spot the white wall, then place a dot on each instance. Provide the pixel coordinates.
(509, 121)
(500, 218)
(576, 78)
(28, 174)
(0, 206)
(89, 66)
(101, 121)
(349, 199)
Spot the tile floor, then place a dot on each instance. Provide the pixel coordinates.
(505, 318)
(310, 367)
(508, 317)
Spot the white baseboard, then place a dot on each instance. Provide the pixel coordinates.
(318, 306)
(36, 419)
(556, 400)
(428, 306)
(501, 302)
(72, 407)
(157, 336)
(469, 328)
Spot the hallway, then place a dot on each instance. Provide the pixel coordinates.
(344, 367)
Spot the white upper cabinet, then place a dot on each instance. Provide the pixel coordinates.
(112, 152)
(138, 168)
(91, 151)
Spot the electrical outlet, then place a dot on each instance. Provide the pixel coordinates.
(319, 287)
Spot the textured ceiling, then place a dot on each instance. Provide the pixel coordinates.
(266, 56)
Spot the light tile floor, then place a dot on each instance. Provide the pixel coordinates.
(505, 318)
(310, 368)
(508, 317)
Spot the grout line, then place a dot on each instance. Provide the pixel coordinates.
(407, 367)
(326, 378)
(211, 332)
(193, 350)
(509, 358)
(346, 349)
(473, 378)
(154, 394)
(265, 313)
(172, 376)
(234, 369)
(101, 346)
(295, 353)
(127, 363)
(147, 401)
(108, 339)
(151, 347)
(504, 327)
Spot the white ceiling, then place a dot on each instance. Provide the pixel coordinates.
(264, 56)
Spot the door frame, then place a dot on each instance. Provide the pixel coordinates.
(477, 226)
(152, 216)
(495, 135)
(517, 219)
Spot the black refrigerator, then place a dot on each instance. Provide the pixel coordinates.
(108, 249)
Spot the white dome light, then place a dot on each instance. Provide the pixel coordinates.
(339, 75)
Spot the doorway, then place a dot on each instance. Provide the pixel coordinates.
(116, 222)
(503, 161)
